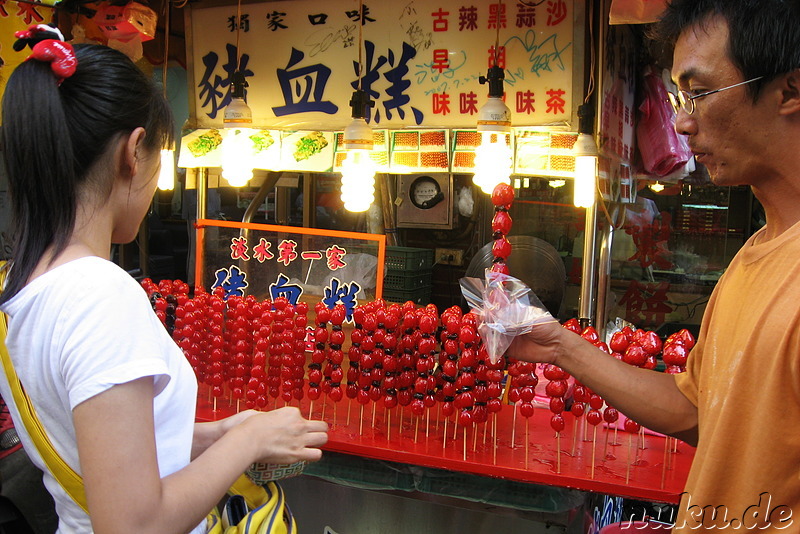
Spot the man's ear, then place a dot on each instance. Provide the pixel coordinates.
(790, 93)
(131, 152)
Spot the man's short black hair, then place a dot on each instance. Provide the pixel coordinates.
(764, 35)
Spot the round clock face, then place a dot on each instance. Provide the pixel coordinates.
(423, 190)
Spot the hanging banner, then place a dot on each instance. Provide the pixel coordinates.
(421, 61)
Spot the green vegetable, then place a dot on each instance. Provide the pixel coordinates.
(205, 143)
(262, 140)
(310, 144)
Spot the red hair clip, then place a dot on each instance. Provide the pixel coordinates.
(59, 54)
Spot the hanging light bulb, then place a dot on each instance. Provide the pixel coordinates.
(657, 187)
(358, 169)
(238, 157)
(493, 157)
(585, 151)
(166, 177)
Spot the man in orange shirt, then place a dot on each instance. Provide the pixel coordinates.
(737, 67)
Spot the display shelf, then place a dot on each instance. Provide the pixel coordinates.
(653, 473)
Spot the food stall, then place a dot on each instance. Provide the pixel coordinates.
(409, 83)
(299, 110)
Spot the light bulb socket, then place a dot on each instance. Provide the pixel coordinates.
(238, 84)
(359, 103)
(494, 116)
(585, 146)
(494, 76)
(586, 119)
(358, 135)
(237, 114)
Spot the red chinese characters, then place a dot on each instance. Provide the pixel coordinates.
(440, 20)
(261, 252)
(287, 251)
(239, 249)
(334, 256)
(555, 101)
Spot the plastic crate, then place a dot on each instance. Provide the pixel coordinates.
(408, 259)
(420, 295)
(406, 280)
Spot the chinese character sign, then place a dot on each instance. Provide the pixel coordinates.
(296, 263)
(419, 62)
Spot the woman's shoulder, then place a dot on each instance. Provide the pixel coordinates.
(83, 280)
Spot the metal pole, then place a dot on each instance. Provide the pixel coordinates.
(269, 183)
(604, 278)
(202, 190)
(588, 287)
(588, 290)
(604, 269)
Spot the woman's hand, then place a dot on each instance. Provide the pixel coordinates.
(281, 436)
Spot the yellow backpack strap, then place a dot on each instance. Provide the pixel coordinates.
(268, 514)
(63, 473)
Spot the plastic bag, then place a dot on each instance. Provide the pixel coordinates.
(663, 150)
(505, 308)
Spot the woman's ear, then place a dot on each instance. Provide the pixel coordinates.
(131, 152)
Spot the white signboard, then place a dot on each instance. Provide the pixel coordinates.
(420, 60)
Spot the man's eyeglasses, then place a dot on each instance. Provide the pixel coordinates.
(685, 100)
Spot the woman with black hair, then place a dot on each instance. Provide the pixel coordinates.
(81, 135)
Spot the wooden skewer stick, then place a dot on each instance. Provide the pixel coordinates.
(465, 443)
(628, 470)
(494, 434)
(664, 464)
(444, 435)
(311, 409)
(349, 405)
(427, 421)
(574, 434)
(360, 420)
(513, 425)
(594, 444)
(558, 452)
(527, 441)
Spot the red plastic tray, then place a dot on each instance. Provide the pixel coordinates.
(657, 472)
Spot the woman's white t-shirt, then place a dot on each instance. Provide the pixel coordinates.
(75, 332)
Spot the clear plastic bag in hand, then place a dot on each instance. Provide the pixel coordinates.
(505, 308)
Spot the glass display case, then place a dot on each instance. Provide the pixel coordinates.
(669, 248)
